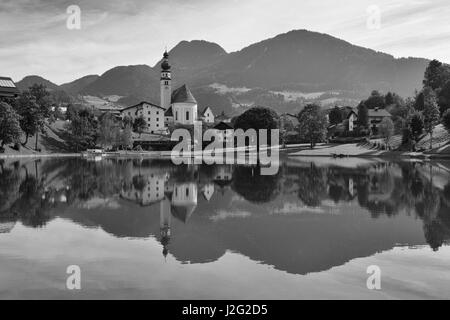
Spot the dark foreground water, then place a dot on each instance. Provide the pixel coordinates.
(148, 229)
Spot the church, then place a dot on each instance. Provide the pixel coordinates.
(180, 104)
(176, 107)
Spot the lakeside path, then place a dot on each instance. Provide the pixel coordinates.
(358, 150)
(39, 155)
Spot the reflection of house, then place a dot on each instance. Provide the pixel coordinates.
(208, 191)
(223, 176)
(146, 190)
(151, 113)
(184, 200)
(8, 88)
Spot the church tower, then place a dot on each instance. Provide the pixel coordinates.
(166, 82)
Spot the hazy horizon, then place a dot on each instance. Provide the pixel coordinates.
(133, 32)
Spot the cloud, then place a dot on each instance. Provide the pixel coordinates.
(124, 32)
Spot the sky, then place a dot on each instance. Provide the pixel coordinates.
(36, 39)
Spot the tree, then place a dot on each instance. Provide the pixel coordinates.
(416, 125)
(363, 115)
(126, 137)
(419, 101)
(386, 129)
(106, 130)
(31, 120)
(312, 124)
(376, 100)
(140, 125)
(435, 75)
(336, 116)
(9, 124)
(83, 129)
(45, 102)
(257, 118)
(430, 112)
(389, 98)
(444, 98)
(446, 120)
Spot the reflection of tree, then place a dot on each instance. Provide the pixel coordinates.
(312, 185)
(335, 192)
(139, 183)
(9, 185)
(254, 187)
(31, 207)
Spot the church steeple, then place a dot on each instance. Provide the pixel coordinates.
(166, 82)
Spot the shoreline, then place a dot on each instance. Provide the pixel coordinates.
(286, 151)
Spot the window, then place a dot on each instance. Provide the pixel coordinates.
(149, 119)
(157, 119)
(187, 192)
(176, 115)
(187, 115)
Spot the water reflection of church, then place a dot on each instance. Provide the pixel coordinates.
(176, 198)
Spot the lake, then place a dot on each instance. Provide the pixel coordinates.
(146, 229)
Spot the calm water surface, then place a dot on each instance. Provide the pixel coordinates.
(148, 229)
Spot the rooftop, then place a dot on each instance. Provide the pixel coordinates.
(140, 104)
(183, 95)
(8, 87)
(379, 113)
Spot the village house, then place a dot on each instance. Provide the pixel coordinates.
(8, 88)
(352, 118)
(376, 116)
(151, 113)
(207, 116)
(349, 124)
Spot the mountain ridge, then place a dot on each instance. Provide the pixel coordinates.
(298, 60)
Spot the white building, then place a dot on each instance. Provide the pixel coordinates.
(180, 105)
(207, 116)
(352, 119)
(208, 191)
(184, 200)
(152, 114)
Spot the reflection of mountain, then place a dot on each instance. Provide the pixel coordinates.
(200, 212)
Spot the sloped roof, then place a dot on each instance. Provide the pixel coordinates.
(379, 113)
(204, 111)
(140, 104)
(183, 95)
(223, 126)
(183, 213)
(8, 87)
(169, 112)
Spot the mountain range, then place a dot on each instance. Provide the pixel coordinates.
(282, 72)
